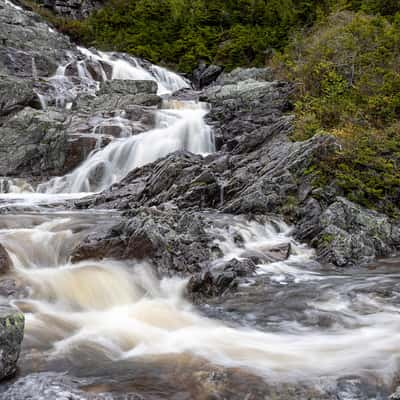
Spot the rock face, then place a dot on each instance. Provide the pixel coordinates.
(118, 86)
(73, 9)
(15, 94)
(11, 334)
(32, 142)
(29, 46)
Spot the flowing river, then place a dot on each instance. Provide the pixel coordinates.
(106, 318)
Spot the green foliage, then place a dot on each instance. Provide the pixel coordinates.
(347, 71)
(181, 32)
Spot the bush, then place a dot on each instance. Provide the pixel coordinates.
(347, 71)
(179, 33)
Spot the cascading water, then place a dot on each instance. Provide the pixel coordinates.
(175, 130)
(82, 76)
(122, 311)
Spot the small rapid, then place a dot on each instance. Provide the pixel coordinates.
(121, 310)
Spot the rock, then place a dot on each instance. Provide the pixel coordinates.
(205, 75)
(5, 260)
(72, 9)
(214, 282)
(247, 92)
(176, 243)
(210, 284)
(29, 46)
(279, 252)
(244, 74)
(350, 234)
(108, 102)
(11, 334)
(117, 86)
(33, 142)
(99, 71)
(15, 94)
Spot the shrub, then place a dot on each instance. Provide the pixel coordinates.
(347, 70)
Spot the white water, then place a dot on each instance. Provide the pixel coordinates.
(176, 130)
(121, 310)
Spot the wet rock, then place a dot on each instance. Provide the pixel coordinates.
(205, 75)
(33, 142)
(351, 234)
(278, 253)
(395, 395)
(244, 74)
(11, 334)
(29, 47)
(356, 388)
(176, 243)
(115, 101)
(117, 86)
(15, 94)
(12, 289)
(219, 280)
(78, 149)
(98, 69)
(5, 260)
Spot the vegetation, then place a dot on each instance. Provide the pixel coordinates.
(347, 71)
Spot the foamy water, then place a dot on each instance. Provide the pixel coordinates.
(122, 310)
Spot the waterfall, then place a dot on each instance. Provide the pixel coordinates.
(175, 130)
(63, 88)
(130, 68)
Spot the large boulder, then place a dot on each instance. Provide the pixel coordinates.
(11, 335)
(177, 243)
(15, 94)
(351, 234)
(205, 75)
(121, 94)
(33, 142)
